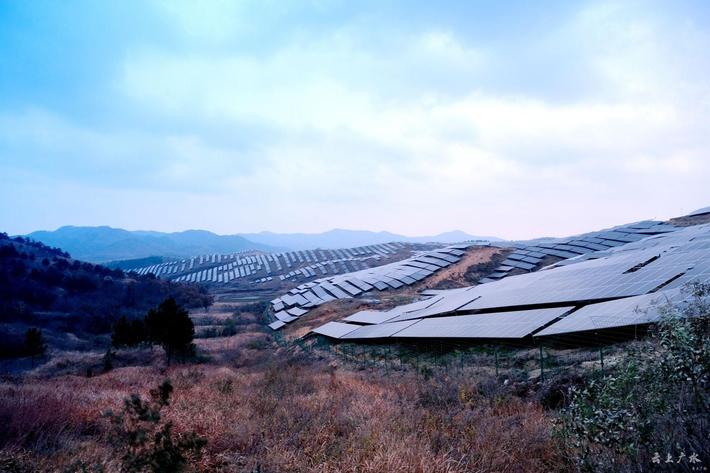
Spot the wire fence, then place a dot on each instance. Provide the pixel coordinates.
(514, 361)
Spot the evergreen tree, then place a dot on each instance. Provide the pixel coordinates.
(122, 335)
(128, 334)
(146, 441)
(137, 331)
(170, 326)
(34, 344)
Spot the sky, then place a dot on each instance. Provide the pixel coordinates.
(516, 119)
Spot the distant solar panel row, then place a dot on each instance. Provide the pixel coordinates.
(529, 257)
(388, 276)
(261, 268)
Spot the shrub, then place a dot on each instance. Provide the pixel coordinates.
(34, 344)
(148, 444)
(128, 333)
(654, 403)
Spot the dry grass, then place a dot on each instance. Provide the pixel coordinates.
(270, 408)
(292, 414)
(455, 273)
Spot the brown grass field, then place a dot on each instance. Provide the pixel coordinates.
(287, 414)
(271, 407)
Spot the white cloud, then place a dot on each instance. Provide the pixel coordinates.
(368, 135)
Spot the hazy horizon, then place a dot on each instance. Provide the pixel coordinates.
(515, 120)
(453, 230)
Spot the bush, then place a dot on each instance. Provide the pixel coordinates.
(654, 403)
(128, 333)
(34, 344)
(146, 443)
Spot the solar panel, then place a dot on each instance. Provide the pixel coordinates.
(284, 317)
(347, 287)
(276, 325)
(335, 291)
(519, 264)
(335, 329)
(637, 310)
(444, 256)
(514, 324)
(430, 260)
(517, 256)
(312, 298)
(393, 283)
(703, 211)
(320, 292)
(559, 253)
(531, 260)
(407, 280)
(296, 311)
(378, 331)
(360, 284)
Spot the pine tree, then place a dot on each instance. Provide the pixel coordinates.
(121, 335)
(128, 334)
(170, 326)
(34, 344)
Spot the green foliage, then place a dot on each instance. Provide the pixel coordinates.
(146, 442)
(107, 361)
(128, 333)
(230, 328)
(34, 344)
(170, 326)
(655, 400)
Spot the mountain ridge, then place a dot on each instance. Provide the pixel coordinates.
(104, 243)
(344, 238)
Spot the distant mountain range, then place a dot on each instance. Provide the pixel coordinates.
(103, 244)
(339, 238)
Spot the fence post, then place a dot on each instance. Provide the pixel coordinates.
(496, 352)
(542, 366)
(601, 357)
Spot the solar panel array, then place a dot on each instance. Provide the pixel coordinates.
(594, 291)
(262, 268)
(385, 277)
(703, 211)
(529, 257)
(636, 310)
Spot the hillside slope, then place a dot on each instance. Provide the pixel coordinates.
(42, 287)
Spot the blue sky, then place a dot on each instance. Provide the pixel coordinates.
(516, 119)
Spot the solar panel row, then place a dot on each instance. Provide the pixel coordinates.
(620, 286)
(388, 276)
(530, 257)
